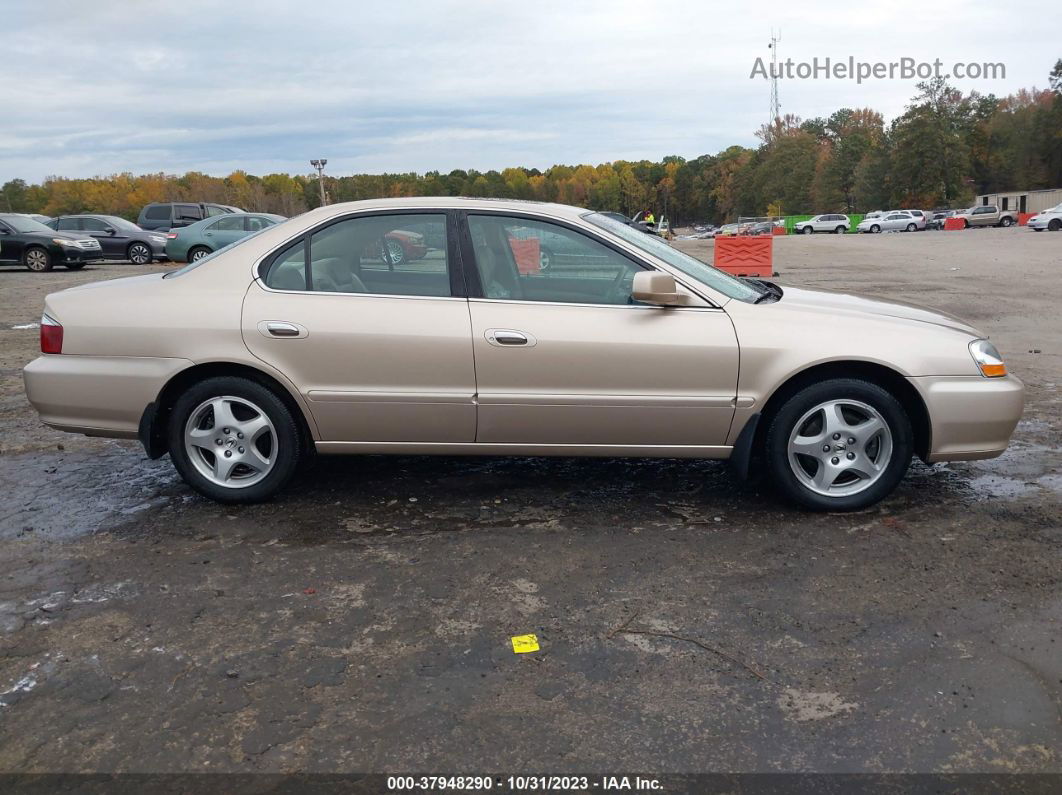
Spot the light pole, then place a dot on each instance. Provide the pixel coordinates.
(319, 165)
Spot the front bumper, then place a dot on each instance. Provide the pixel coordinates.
(96, 395)
(970, 417)
(71, 254)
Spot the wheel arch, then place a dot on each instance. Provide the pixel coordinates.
(886, 377)
(156, 417)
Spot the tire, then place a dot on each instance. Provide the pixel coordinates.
(545, 259)
(198, 252)
(1055, 225)
(807, 230)
(878, 461)
(965, 224)
(37, 259)
(839, 230)
(1005, 221)
(139, 253)
(270, 460)
(875, 229)
(912, 227)
(393, 254)
(74, 266)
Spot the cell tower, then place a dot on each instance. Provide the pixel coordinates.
(776, 106)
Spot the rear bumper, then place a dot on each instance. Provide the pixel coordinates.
(96, 395)
(970, 417)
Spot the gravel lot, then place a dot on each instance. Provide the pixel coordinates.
(687, 622)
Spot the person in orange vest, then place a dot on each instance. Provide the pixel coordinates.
(649, 217)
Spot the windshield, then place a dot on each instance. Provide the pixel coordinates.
(1056, 209)
(21, 223)
(204, 260)
(728, 285)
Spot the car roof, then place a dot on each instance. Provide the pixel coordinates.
(454, 202)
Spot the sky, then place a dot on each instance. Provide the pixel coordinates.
(95, 87)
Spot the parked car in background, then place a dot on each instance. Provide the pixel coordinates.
(921, 218)
(762, 228)
(120, 239)
(830, 222)
(24, 241)
(193, 242)
(894, 221)
(169, 215)
(1047, 219)
(289, 342)
(987, 215)
(938, 218)
(873, 214)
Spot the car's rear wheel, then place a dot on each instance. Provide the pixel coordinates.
(198, 253)
(912, 227)
(37, 259)
(875, 229)
(839, 445)
(807, 230)
(839, 230)
(1055, 225)
(1006, 222)
(233, 440)
(139, 254)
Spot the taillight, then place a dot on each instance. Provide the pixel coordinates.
(171, 236)
(51, 335)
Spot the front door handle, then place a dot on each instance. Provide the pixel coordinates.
(509, 338)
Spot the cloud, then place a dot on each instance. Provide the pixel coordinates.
(116, 85)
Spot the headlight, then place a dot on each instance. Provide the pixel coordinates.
(62, 241)
(988, 359)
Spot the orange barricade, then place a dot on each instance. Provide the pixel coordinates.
(1023, 218)
(745, 256)
(777, 230)
(526, 254)
(953, 223)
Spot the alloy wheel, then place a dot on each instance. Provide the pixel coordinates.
(840, 448)
(139, 254)
(37, 259)
(231, 441)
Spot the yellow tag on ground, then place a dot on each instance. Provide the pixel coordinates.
(522, 644)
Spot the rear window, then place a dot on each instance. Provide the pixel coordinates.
(160, 212)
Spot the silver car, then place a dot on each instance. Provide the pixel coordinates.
(896, 221)
(830, 222)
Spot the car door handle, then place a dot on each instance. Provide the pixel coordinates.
(276, 329)
(508, 338)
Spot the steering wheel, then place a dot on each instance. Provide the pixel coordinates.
(619, 290)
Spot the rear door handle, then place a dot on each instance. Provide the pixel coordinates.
(281, 328)
(508, 338)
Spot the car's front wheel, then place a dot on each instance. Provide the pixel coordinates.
(37, 259)
(233, 440)
(1055, 225)
(839, 445)
(139, 254)
(807, 230)
(875, 229)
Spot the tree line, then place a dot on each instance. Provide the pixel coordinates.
(943, 150)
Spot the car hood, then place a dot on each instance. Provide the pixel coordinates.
(830, 301)
(63, 235)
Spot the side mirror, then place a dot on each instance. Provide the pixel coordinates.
(654, 287)
(110, 230)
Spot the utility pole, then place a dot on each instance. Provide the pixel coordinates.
(319, 165)
(776, 107)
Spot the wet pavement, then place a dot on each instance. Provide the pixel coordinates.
(362, 622)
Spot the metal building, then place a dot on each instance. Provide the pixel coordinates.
(1028, 201)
